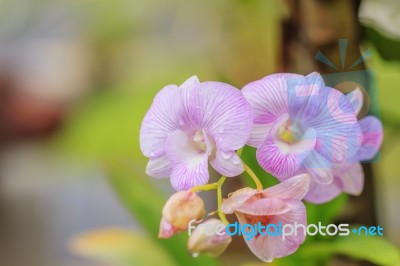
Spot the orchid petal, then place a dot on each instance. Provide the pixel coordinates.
(293, 188)
(159, 167)
(191, 83)
(187, 175)
(236, 199)
(372, 136)
(352, 181)
(319, 168)
(321, 193)
(348, 177)
(189, 167)
(267, 248)
(268, 98)
(222, 111)
(264, 206)
(340, 134)
(162, 118)
(280, 158)
(227, 163)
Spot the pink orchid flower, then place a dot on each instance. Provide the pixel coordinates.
(301, 126)
(191, 125)
(280, 203)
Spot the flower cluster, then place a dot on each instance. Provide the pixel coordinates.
(306, 134)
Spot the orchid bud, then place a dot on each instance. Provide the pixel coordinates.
(181, 208)
(210, 238)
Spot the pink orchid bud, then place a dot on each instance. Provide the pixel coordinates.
(181, 208)
(209, 238)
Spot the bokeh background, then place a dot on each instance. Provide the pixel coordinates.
(76, 78)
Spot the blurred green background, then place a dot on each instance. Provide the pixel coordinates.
(76, 78)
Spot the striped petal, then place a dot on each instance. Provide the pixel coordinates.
(268, 99)
(189, 167)
(163, 117)
(281, 159)
(221, 110)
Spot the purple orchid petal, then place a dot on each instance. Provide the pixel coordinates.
(348, 177)
(356, 99)
(318, 168)
(328, 112)
(189, 167)
(280, 158)
(162, 118)
(293, 188)
(321, 193)
(351, 177)
(186, 175)
(159, 167)
(372, 136)
(268, 98)
(227, 163)
(222, 111)
(191, 83)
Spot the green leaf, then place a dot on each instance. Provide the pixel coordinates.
(371, 248)
(145, 202)
(120, 247)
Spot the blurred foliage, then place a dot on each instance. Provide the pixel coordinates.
(388, 48)
(369, 248)
(388, 78)
(120, 247)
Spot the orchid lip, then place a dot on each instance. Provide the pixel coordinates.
(203, 143)
(290, 132)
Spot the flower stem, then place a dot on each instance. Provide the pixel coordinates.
(219, 198)
(253, 176)
(218, 187)
(205, 187)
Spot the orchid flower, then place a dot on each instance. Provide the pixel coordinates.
(194, 124)
(280, 203)
(349, 176)
(301, 126)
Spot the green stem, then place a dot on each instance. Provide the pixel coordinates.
(205, 187)
(218, 187)
(253, 176)
(219, 198)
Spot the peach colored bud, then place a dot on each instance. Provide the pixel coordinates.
(209, 238)
(166, 230)
(178, 211)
